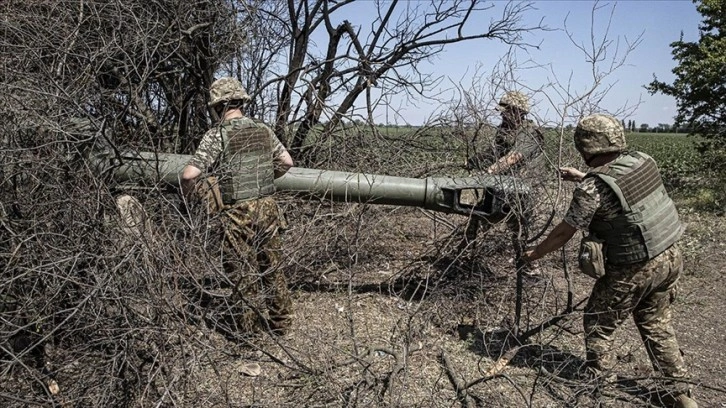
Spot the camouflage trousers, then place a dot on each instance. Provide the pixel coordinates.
(518, 223)
(645, 291)
(252, 251)
(251, 257)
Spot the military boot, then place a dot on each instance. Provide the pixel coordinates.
(684, 401)
(678, 401)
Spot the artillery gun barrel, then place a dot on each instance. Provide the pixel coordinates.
(442, 194)
(484, 197)
(355, 187)
(142, 167)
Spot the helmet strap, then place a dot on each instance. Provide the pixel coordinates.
(513, 117)
(600, 159)
(214, 114)
(220, 110)
(590, 159)
(235, 104)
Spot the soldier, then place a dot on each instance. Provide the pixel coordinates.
(245, 156)
(516, 144)
(621, 201)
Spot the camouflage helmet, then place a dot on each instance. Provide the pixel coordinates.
(514, 99)
(597, 134)
(225, 90)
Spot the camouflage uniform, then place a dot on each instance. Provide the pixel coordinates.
(523, 138)
(252, 242)
(646, 289)
(512, 136)
(251, 246)
(519, 136)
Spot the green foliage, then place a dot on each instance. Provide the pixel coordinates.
(700, 84)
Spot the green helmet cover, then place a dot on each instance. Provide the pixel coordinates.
(599, 133)
(227, 89)
(514, 99)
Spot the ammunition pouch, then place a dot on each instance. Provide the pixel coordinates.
(590, 258)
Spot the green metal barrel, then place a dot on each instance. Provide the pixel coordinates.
(482, 197)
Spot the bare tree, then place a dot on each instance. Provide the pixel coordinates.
(332, 63)
(80, 297)
(140, 66)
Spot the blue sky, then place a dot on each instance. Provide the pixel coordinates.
(659, 22)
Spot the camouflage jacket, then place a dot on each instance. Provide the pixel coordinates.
(211, 147)
(526, 139)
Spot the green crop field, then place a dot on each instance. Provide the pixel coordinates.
(686, 172)
(677, 154)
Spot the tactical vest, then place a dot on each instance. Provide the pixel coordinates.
(648, 224)
(505, 138)
(503, 142)
(246, 168)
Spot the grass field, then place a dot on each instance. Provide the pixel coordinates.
(676, 154)
(686, 172)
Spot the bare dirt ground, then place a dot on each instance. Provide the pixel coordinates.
(387, 314)
(701, 319)
(391, 320)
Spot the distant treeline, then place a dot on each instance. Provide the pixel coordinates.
(630, 126)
